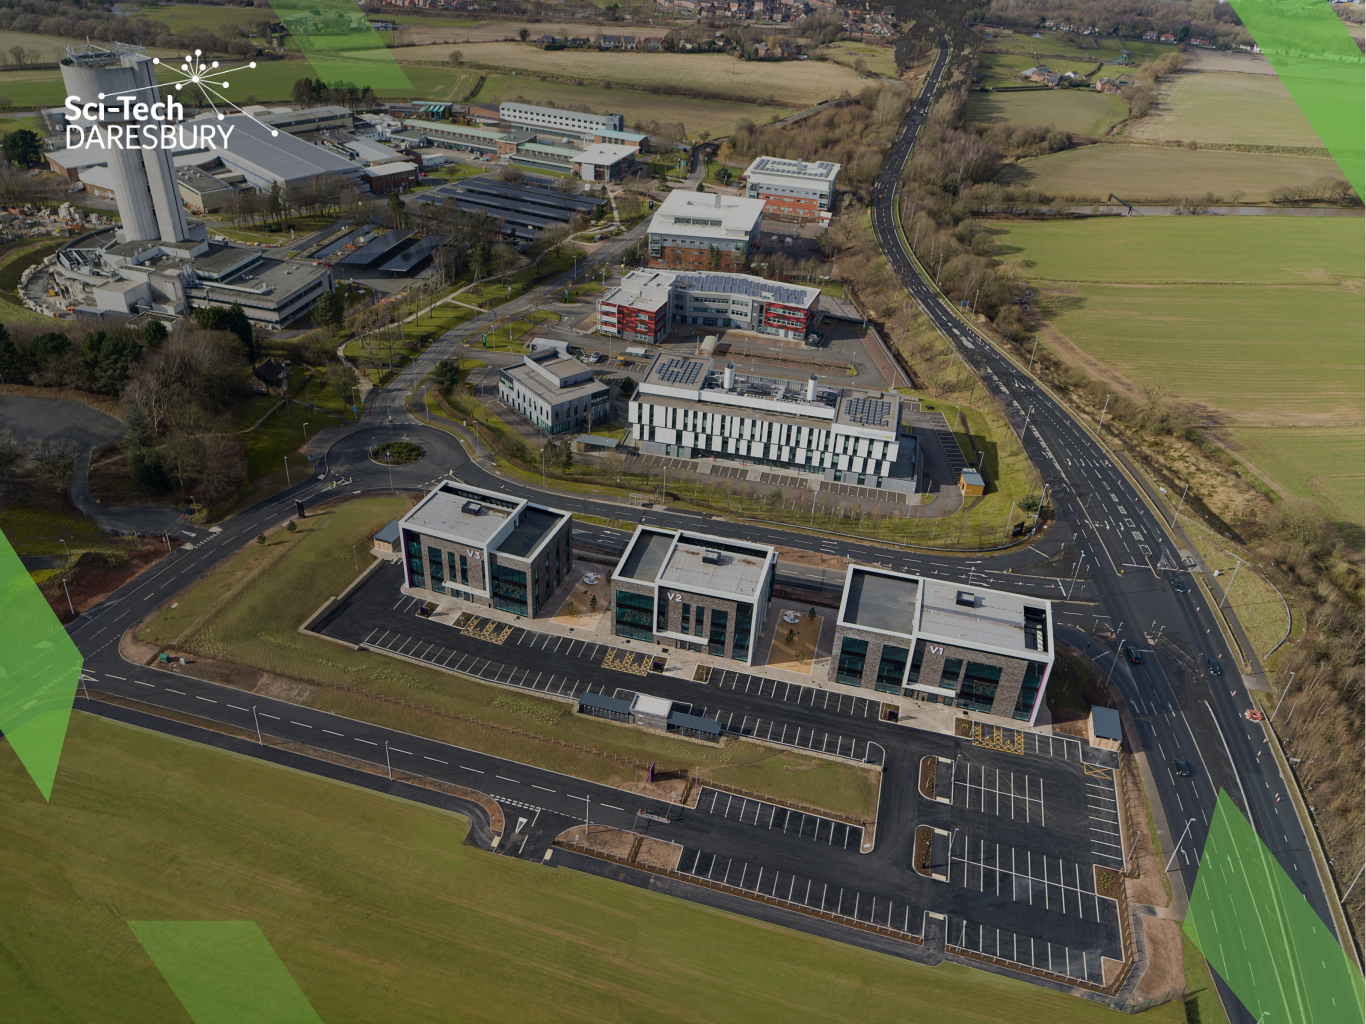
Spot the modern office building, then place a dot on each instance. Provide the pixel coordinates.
(569, 122)
(647, 303)
(686, 408)
(603, 162)
(693, 591)
(390, 177)
(941, 642)
(704, 231)
(556, 393)
(792, 188)
(492, 550)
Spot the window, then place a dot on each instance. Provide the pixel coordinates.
(452, 573)
(464, 571)
(948, 678)
(509, 589)
(635, 612)
(891, 668)
(686, 625)
(434, 558)
(853, 653)
(1029, 690)
(716, 642)
(978, 691)
(744, 626)
(415, 570)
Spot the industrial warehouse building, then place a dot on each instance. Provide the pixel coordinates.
(931, 640)
(792, 188)
(492, 550)
(697, 592)
(704, 231)
(647, 303)
(556, 393)
(686, 408)
(525, 210)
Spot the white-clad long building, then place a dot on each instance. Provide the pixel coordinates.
(688, 408)
(704, 231)
(792, 188)
(555, 119)
(647, 302)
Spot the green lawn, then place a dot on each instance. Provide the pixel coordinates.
(317, 561)
(1139, 173)
(1257, 318)
(281, 435)
(1081, 111)
(40, 531)
(381, 912)
(1005, 68)
(878, 59)
(1210, 107)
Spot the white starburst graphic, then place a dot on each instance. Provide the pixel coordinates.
(208, 77)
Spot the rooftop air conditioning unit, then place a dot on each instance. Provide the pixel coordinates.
(966, 599)
(711, 557)
(472, 508)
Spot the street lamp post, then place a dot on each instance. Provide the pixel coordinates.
(68, 550)
(354, 560)
(68, 598)
(1102, 415)
(1075, 569)
(305, 433)
(1180, 503)
(288, 481)
(389, 460)
(387, 763)
(1283, 694)
(258, 726)
(1177, 849)
(1032, 354)
(1231, 582)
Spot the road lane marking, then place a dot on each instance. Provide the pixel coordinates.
(331, 733)
(610, 806)
(264, 715)
(141, 683)
(292, 722)
(209, 699)
(371, 743)
(112, 676)
(542, 788)
(478, 770)
(436, 759)
(506, 779)
(181, 692)
(397, 751)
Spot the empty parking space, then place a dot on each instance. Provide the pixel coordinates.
(1102, 812)
(795, 693)
(991, 790)
(802, 891)
(1026, 950)
(765, 815)
(1049, 883)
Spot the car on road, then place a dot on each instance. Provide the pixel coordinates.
(1180, 586)
(1215, 669)
(1180, 767)
(1134, 655)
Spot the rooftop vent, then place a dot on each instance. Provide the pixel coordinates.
(711, 557)
(472, 508)
(967, 599)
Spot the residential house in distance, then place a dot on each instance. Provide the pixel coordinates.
(489, 550)
(1108, 85)
(982, 650)
(270, 377)
(693, 591)
(697, 231)
(555, 392)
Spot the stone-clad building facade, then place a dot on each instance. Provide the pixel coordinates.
(969, 647)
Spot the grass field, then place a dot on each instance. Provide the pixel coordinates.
(1159, 173)
(1082, 111)
(878, 59)
(802, 83)
(1246, 109)
(1005, 68)
(1257, 318)
(1253, 599)
(299, 572)
(213, 18)
(381, 912)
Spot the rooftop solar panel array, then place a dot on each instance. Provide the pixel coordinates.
(737, 284)
(532, 194)
(680, 371)
(797, 168)
(346, 239)
(413, 255)
(868, 412)
(368, 254)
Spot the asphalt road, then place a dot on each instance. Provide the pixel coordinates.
(1132, 561)
(1100, 519)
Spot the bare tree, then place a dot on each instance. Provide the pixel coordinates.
(56, 457)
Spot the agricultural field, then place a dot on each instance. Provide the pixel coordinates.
(45, 49)
(802, 83)
(207, 17)
(1245, 109)
(381, 911)
(697, 115)
(878, 59)
(1257, 319)
(1080, 111)
(1060, 46)
(1161, 173)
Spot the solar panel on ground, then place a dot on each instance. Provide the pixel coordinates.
(532, 195)
(411, 256)
(368, 254)
(346, 239)
(515, 214)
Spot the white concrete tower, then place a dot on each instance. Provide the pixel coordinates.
(144, 179)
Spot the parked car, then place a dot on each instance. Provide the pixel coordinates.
(1215, 669)
(1180, 767)
(1134, 655)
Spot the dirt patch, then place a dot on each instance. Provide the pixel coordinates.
(811, 558)
(929, 767)
(97, 575)
(630, 847)
(1165, 973)
(282, 688)
(794, 644)
(924, 836)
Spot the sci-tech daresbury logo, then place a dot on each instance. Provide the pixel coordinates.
(128, 121)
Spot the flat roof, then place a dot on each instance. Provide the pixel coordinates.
(385, 170)
(605, 153)
(491, 134)
(822, 172)
(646, 555)
(533, 381)
(281, 155)
(1105, 722)
(994, 617)
(881, 602)
(707, 215)
(443, 512)
(699, 561)
(645, 704)
(536, 524)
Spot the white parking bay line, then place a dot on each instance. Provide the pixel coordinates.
(331, 733)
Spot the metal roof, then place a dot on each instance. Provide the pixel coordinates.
(372, 251)
(603, 703)
(281, 155)
(1105, 722)
(744, 284)
(682, 720)
(346, 239)
(822, 170)
(413, 255)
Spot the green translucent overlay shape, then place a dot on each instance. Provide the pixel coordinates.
(1262, 936)
(1312, 52)
(224, 972)
(340, 44)
(40, 669)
